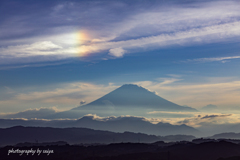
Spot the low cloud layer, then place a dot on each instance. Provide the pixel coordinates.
(215, 116)
(207, 124)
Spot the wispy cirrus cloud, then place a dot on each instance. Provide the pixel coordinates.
(40, 51)
(213, 59)
(119, 34)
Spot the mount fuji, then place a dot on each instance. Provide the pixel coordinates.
(129, 99)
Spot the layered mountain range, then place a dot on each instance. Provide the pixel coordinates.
(129, 99)
(117, 124)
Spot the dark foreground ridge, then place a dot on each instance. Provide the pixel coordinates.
(221, 150)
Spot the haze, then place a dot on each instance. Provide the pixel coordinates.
(59, 55)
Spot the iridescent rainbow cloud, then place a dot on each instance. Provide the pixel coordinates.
(82, 38)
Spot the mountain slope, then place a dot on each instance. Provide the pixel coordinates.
(130, 95)
(128, 99)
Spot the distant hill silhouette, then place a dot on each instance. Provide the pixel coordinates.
(128, 99)
(29, 144)
(174, 138)
(20, 134)
(118, 124)
(229, 135)
(136, 125)
(209, 107)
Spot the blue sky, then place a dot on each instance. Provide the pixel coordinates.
(54, 54)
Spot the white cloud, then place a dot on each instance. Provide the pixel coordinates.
(210, 34)
(117, 52)
(42, 46)
(113, 118)
(178, 23)
(32, 65)
(38, 48)
(210, 123)
(36, 52)
(222, 59)
(198, 120)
